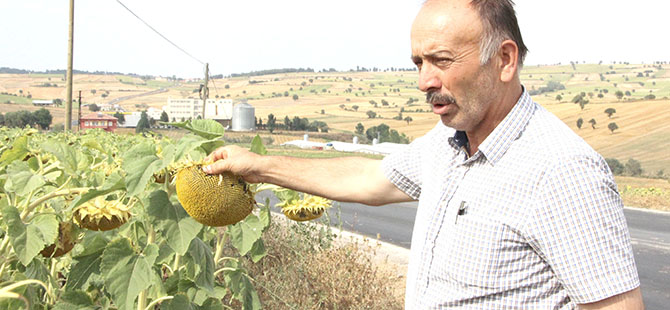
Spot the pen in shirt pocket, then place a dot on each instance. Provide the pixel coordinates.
(462, 210)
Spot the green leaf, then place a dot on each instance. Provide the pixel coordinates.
(242, 289)
(245, 233)
(82, 269)
(210, 146)
(21, 179)
(28, 240)
(212, 304)
(179, 302)
(113, 183)
(285, 196)
(126, 272)
(36, 270)
(265, 215)
(257, 146)
(140, 164)
(177, 226)
(94, 242)
(18, 151)
(92, 143)
(86, 263)
(201, 264)
(75, 300)
(258, 251)
(71, 160)
(206, 128)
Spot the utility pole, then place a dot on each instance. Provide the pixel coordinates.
(70, 43)
(205, 90)
(79, 114)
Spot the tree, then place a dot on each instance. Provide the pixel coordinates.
(371, 114)
(295, 97)
(43, 118)
(408, 119)
(612, 127)
(615, 166)
(271, 122)
(287, 123)
(94, 107)
(580, 122)
(593, 123)
(609, 112)
(119, 116)
(360, 129)
(93, 91)
(559, 98)
(143, 124)
(583, 103)
(633, 167)
(618, 94)
(355, 107)
(2, 120)
(164, 117)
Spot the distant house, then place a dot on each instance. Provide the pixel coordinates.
(99, 120)
(43, 103)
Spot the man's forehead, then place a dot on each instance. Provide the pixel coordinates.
(452, 21)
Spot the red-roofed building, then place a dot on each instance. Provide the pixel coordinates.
(98, 120)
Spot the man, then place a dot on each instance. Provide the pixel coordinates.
(515, 210)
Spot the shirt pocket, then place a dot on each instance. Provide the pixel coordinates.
(469, 252)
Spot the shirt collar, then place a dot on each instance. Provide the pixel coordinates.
(501, 138)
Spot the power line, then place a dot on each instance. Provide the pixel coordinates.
(156, 31)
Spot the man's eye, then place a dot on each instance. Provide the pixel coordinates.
(443, 62)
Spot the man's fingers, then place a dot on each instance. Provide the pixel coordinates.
(217, 154)
(216, 168)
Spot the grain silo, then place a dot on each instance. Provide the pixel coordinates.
(244, 117)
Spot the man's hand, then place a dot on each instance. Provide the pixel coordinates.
(237, 160)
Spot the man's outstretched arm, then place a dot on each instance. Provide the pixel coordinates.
(347, 179)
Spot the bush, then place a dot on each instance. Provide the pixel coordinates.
(615, 166)
(633, 167)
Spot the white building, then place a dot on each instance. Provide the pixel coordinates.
(220, 110)
(384, 149)
(155, 113)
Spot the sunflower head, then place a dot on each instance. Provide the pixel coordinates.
(308, 208)
(101, 214)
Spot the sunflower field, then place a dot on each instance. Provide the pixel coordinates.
(86, 223)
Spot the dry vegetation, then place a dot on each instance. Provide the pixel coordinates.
(306, 268)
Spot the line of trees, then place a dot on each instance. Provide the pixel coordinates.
(383, 133)
(20, 119)
(295, 124)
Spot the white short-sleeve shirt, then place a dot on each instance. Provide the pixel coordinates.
(533, 220)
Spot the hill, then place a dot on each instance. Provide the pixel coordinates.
(638, 92)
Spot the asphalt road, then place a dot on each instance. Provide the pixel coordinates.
(650, 235)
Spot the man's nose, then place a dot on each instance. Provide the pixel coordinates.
(429, 78)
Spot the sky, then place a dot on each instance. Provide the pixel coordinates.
(242, 36)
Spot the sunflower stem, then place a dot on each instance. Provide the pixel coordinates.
(221, 239)
(54, 194)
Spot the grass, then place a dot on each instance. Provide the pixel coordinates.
(15, 99)
(307, 268)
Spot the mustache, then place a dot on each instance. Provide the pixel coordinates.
(435, 97)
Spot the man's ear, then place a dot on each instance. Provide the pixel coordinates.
(509, 60)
